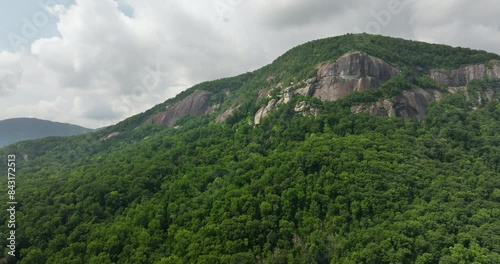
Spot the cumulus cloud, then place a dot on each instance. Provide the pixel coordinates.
(97, 48)
(42, 109)
(93, 108)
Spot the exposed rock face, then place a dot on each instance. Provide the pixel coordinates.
(264, 111)
(360, 71)
(264, 93)
(415, 102)
(487, 95)
(306, 91)
(196, 104)
(224, 116)
(410, 104)
(108, 136)
(462, 76)
(306, 109)
(286, 96)
(351, 72)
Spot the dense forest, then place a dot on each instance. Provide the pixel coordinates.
(337, 187)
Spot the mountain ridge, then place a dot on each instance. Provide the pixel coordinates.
(13, 130)
(302, 62)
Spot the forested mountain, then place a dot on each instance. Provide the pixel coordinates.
(17, 129)
(352, 149)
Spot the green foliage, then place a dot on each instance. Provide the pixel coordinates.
(333, 188)
(425, 81)
(483, 84)
(399, 83)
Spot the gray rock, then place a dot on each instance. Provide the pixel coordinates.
(462, 76)
(196, 104)
(410, 104)
(263, 111)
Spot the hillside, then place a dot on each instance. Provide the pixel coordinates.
(18, 129)
(352, 149)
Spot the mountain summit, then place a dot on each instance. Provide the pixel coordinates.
(374, 74)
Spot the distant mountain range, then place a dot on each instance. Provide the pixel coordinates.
(18, 129)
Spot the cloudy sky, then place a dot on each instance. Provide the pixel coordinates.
(96, 62)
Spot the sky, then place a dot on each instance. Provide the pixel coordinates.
(96, 62)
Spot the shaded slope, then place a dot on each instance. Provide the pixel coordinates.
(18, 129)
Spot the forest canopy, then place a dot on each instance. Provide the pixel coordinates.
(337, 187)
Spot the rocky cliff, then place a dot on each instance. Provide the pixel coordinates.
(410, 104)
(414, 103)
(264, 111)
(462, 76)
(196, 104)
(351, 72)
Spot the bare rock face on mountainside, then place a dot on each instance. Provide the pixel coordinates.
(196, 104)
(462, 76)
(262, 112)
(226, 114)
(351, 72)
(413, 104)
(410, 104)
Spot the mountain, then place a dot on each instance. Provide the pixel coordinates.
(351, 149)
(18, 129)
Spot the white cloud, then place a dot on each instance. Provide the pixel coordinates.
(93, 108)
(43, 108)
(458, 22)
